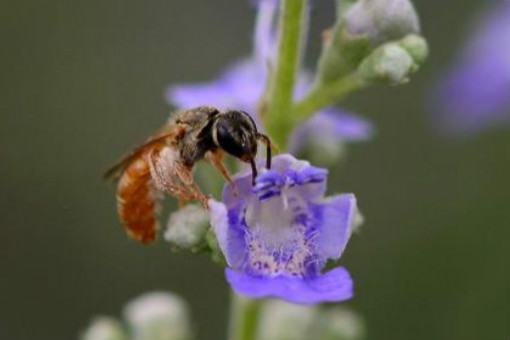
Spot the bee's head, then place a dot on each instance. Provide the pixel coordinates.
(236, 133)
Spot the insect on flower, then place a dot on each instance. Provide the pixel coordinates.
(164, 163)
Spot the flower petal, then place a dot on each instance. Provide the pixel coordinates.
(228, 233)
(192, 95)
(240, 188)
(346, 125)
(333, 286)
(312, 180)
(239, 87)
(337, 216)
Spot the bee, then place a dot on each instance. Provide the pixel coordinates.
(165, 162)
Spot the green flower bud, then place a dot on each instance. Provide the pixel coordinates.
(158, 316)
(361, 27)
(187, 227)
(285, 321)
(394, 62)
(382, 20)
(389, 63)
(104, 328)
(416, 46)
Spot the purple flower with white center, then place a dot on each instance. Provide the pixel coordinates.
(476, 93)
(242, 85)
(278, 235)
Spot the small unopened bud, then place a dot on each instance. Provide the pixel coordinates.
(282, 320)
(416, 46)
(158, 316)
(395, 61)
(187, 227)
(382, 20)
(389, 63)
(104, 328)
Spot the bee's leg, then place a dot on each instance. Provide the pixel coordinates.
(180, 191)
(183, 193)
(203, 199)
(216, 160)
(265, 139)
(165, 180)
(185, 175)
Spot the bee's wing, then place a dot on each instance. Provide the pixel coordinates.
(115, 171)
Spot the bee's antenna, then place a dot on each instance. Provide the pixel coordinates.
(253, 170)
(265, 139)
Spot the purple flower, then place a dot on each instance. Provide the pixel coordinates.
(278, 235)
(242, 85)
(476, 93)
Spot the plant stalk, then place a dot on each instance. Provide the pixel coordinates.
(279, 120)
(244, 318)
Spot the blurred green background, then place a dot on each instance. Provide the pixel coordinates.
(83, 81)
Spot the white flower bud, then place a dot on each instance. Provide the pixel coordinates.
(187, 227)
(104, 328)
(285, 321)
(158, 316)
(382, 20)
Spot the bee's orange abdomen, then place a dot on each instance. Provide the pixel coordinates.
(137, 201)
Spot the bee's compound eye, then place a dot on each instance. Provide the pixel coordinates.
(230, 140)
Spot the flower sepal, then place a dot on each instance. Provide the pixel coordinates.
(342, 51)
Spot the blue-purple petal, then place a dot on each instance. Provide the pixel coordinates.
(333, 286)
(240, 87)
(241, 187)
(336, 217)
(228, 232)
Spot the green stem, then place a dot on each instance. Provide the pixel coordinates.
(324, 95)
(279, 121)
(244, 318)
